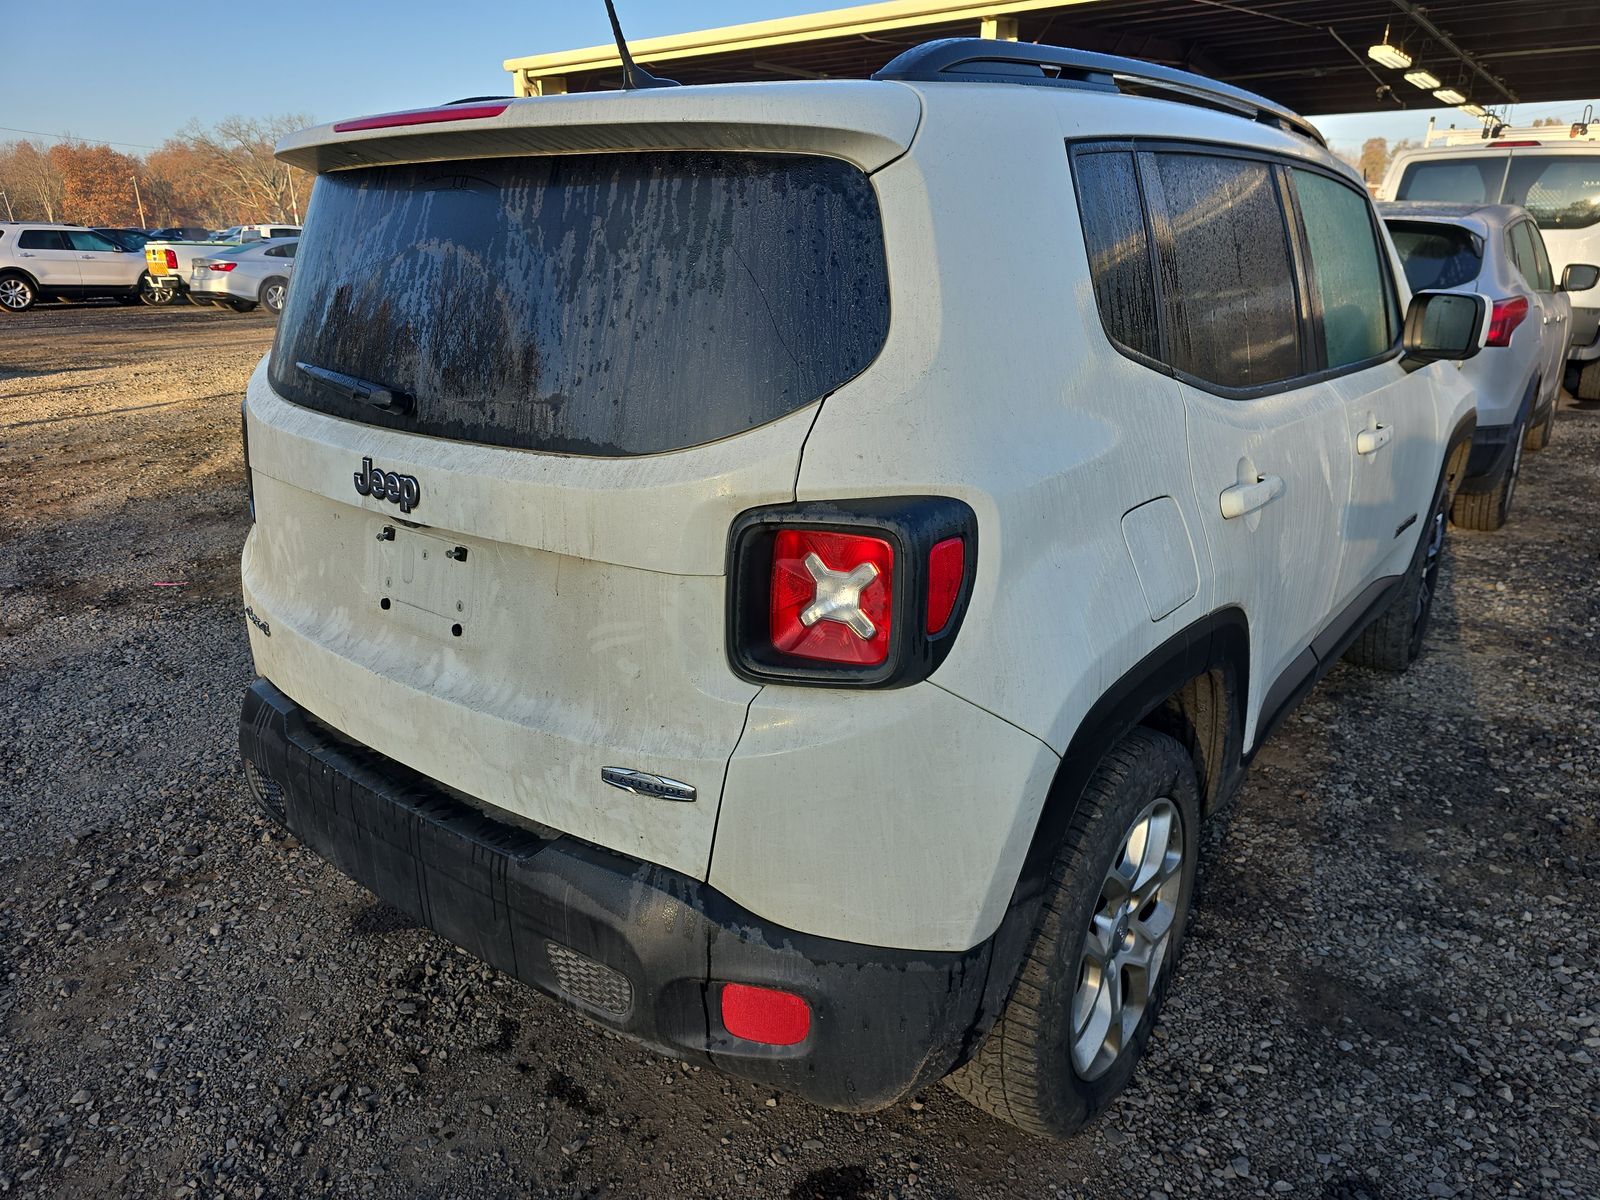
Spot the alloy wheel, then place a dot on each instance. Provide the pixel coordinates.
(274, 297)
(1125, 948)
(15, 294)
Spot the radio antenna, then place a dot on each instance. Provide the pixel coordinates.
(633, 75)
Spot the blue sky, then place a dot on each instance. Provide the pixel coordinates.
(339, 58)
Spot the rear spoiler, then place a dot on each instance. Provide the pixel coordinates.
(865, 123)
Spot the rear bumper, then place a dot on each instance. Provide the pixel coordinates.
(636, 947)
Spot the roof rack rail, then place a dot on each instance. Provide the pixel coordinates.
(984, 60)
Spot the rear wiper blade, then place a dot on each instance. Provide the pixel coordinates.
(352, 387)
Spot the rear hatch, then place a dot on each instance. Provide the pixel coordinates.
(519, 392)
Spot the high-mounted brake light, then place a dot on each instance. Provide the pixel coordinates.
(1528, 143)
(832, 596)
(1505, 318)
(765, 1015)
(423, 116)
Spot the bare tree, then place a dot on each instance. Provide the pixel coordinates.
(236, 157)
(32, 181)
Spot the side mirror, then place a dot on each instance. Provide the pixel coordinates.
(1579, 277)
(1443, 326)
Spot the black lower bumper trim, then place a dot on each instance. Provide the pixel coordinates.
(1490, 456)
(638, 948)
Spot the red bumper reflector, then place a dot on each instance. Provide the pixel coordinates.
(765, 1015)
(1505, 318)
(832, 596)
(423, 116)
(947, 566)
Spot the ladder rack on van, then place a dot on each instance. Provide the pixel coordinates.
(983, 60)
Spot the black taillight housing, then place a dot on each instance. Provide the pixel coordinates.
(849, 593)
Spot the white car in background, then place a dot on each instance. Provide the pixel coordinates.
(243, 276)
(1557, 179)
(39, 260)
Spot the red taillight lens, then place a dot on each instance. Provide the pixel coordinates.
(947, 567)
(765, 1015)
(1505, 318)
(832, 596)
(423, 116)
(172, 259)
(222, 266)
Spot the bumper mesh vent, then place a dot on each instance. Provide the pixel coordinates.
(264, 790)
(589, 982)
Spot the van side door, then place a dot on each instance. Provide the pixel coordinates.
(1390, 439)
(1267, 457)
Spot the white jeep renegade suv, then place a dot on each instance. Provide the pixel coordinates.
(787, 568)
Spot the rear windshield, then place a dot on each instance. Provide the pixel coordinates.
(611, 304)
(1436, 256)
(1562, 191)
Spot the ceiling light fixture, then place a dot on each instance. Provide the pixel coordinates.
(1426, 80)
(1449, 96)
(1473, 110)
(1386, 54)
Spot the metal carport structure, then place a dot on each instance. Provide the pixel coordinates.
(1310, 55)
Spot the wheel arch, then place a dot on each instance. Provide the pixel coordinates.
(1193, 687)
(19, 272)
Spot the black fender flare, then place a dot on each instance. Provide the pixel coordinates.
(1220, 642)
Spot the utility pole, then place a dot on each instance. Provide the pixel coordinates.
(140, 201)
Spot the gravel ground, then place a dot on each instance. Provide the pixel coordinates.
(1390, 989)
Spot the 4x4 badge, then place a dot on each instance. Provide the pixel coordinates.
(403, 490)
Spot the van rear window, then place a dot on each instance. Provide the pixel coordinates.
(612, 305)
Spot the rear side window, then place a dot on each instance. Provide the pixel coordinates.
(1546, 278)
(1520, 247)
(1119, 248)
(1359, 317)
(1227, 280)
(1474, 180)
(612, 304)
(41, 239)
(1436, 256)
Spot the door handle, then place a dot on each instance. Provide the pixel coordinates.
(25, 254)
(1370, 441)
(1244, 498)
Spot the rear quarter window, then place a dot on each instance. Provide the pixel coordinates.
(606, 305)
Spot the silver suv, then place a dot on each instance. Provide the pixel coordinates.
(38, 259)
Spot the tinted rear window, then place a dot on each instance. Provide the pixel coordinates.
(1436, 256)
(1474, 180)
(604, 304)
(1562, 192)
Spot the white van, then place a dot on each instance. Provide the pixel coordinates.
(1557, 179)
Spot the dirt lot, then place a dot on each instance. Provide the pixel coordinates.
(1390, 990)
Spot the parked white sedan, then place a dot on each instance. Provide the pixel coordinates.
(243, 276)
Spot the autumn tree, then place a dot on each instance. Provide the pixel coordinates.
(97, 184)
(1374, 159)
(236, 157)
(31, 181)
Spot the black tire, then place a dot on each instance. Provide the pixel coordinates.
(155, 297)
(1588, 381)
(1539, 436)
(241, 306)
(18, 293)
(273, 292)
(1490, 510)
(1394, 639)
(1027, 1072)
